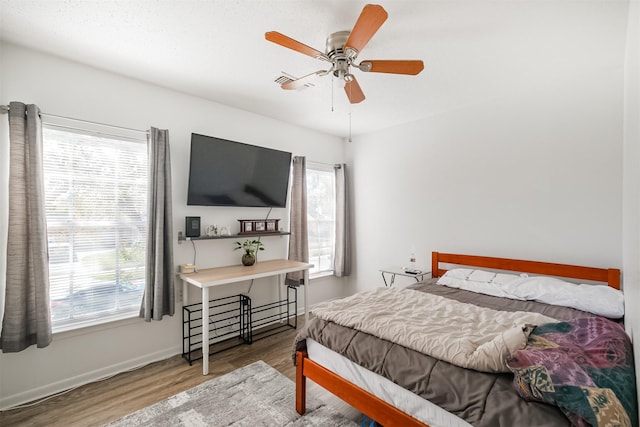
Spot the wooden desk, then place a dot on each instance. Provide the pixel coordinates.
(209, 277)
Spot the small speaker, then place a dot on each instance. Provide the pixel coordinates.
(192, 226)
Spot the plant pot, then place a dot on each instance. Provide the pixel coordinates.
(248, 259)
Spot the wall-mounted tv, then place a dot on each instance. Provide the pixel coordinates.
(229, 173)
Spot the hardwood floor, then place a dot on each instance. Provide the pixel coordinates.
(101, 402)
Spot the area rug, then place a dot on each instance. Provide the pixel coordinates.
(255, 395)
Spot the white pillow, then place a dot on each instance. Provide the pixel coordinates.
(597, 299)
(456, 273)
(479, 281)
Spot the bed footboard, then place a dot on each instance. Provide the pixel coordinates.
(360, 399)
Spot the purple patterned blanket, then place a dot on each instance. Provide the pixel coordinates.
(584, 366)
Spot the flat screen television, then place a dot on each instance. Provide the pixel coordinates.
(229, 173)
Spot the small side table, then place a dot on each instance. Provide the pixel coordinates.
(401, 271)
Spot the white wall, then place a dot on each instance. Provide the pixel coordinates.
(631, 182)
(536, 175)
(68, 89)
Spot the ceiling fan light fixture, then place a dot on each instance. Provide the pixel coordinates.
(341, 69)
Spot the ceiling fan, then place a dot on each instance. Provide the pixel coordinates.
(342, 49)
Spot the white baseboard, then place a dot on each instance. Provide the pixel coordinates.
(93, 376)
(86, 378)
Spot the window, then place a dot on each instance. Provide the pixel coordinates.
(321, 217)
(95, 197)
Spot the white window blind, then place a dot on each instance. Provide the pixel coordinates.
(321, 216)
(96, 194)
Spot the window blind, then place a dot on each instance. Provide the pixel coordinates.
(321, 218)
(96, 207)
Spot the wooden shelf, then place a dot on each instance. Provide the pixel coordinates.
(182, 238)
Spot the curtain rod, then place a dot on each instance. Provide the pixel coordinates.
(4, 109)
(335, 165)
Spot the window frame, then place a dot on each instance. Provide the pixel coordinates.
(120, 136)
(318, 270)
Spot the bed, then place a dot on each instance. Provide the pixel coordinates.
(390, 380)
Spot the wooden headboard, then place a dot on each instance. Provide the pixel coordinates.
(611, 276)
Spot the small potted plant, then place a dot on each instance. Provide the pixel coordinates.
(250, 247)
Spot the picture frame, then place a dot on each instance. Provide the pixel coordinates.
(259, 226)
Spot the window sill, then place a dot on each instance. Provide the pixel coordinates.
(95, 325)
(320, 275)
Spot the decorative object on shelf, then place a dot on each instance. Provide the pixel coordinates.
(212, 230)
(250, 248)
(412, 269)
(259, 226)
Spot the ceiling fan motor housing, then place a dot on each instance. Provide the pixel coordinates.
(342, 58)
(335, 44)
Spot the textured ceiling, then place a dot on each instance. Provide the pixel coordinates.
(473, 50)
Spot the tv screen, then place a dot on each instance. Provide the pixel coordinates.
(229, 173)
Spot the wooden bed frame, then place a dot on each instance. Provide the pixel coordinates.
(388, 415)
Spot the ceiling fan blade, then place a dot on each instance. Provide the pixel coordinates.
(411, 67)
(354, 92)
(370, 20)
(286, 41)
(302, 81)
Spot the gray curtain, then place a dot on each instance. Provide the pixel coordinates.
(27, 314)
(299, 240)
(159, 292)
(342, 257)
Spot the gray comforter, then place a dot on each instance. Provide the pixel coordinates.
(482, 399)
(463, 334)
